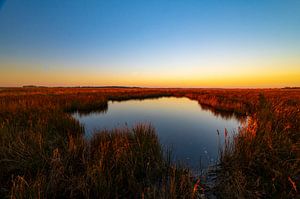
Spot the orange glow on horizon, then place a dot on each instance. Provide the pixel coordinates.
(229, 76)
(244, 80)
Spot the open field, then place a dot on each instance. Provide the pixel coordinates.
(43, 153)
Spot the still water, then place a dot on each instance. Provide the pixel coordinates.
(181, 125)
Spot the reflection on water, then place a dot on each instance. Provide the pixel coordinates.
(224, 114)
(188, 129)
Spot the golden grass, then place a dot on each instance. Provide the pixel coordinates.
(43, 153)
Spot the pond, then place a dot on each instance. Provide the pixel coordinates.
(182, 125)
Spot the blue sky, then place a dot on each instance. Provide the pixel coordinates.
(206, 43)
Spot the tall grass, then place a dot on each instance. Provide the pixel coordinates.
(123, 163)
(43, 153)
(264, 159)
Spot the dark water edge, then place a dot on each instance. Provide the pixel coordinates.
(193, 132)
(203, 169)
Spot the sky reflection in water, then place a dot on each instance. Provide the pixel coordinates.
(181, 124)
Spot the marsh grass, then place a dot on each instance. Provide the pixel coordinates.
(123, 163)
(263, 161)
(43, 152)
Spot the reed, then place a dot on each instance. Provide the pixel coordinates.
(263, 161)
(43, 152)
(123, 163)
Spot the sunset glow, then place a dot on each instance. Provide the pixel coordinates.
(150, 43)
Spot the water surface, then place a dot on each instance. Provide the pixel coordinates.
(181, 124)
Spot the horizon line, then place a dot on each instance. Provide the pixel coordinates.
(149, 87)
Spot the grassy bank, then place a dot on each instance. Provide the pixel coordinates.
(263, 161)
(125, 163)
(43, 153)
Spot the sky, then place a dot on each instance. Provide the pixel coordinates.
(157, 43)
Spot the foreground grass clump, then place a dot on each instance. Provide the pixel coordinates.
(123, 163)
(264, 159)
(131, 163)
